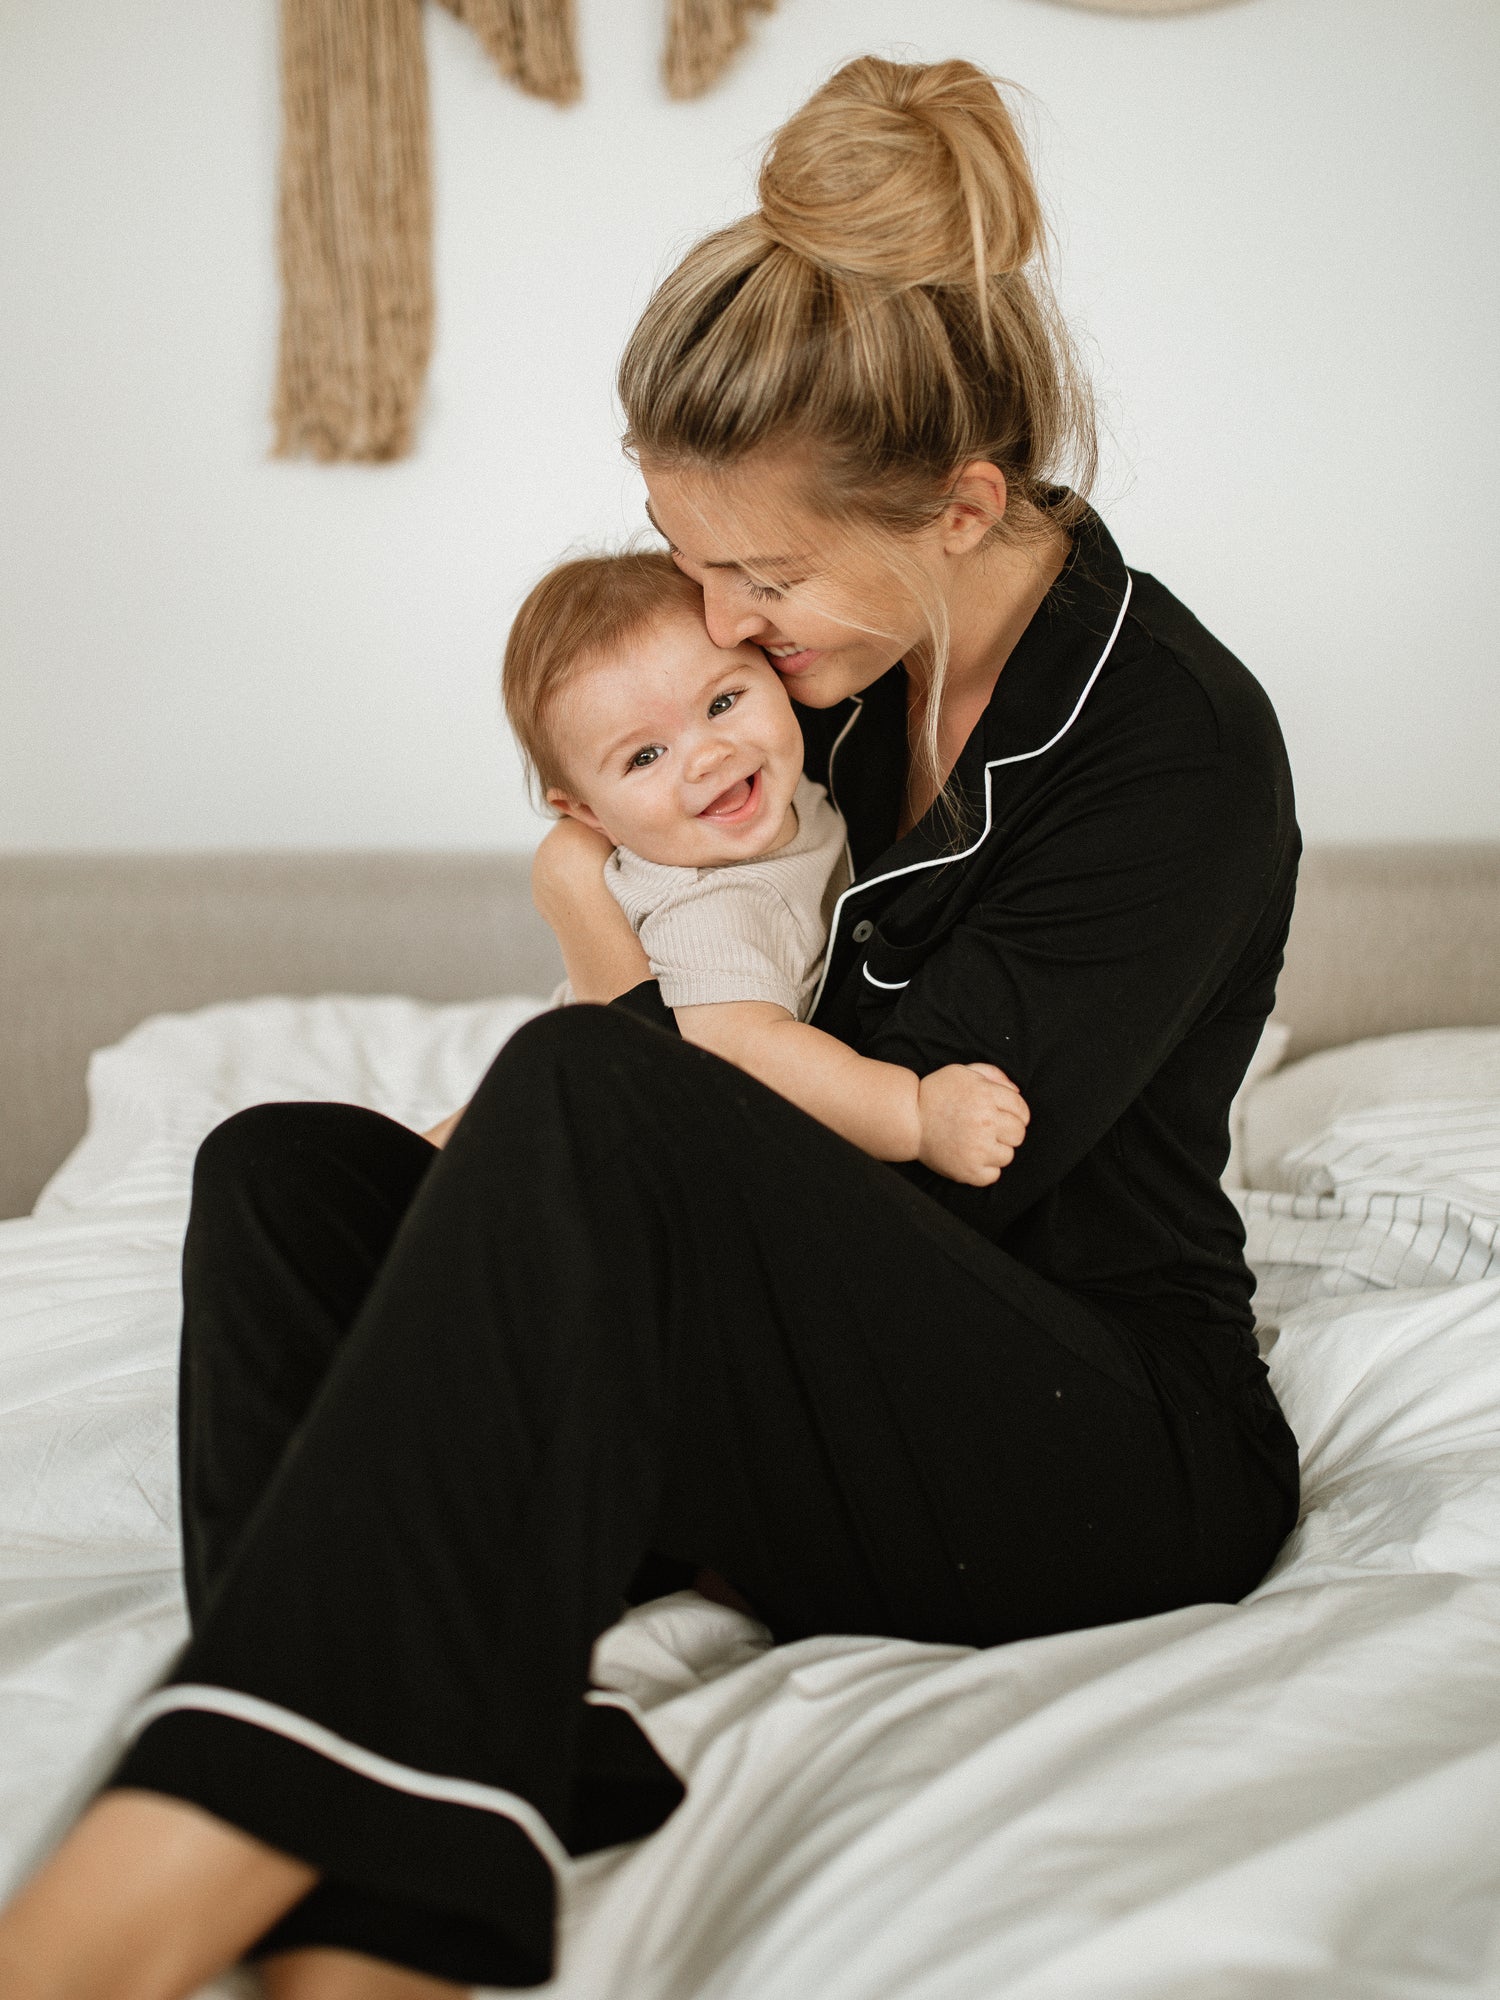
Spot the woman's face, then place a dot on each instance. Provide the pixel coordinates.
(831, 614)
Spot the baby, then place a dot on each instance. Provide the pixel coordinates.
(727, 859)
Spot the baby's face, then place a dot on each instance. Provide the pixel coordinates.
(686, 754)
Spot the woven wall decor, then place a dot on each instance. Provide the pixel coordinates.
(356, 198)
(703, 36)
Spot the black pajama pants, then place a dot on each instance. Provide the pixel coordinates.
(443, 1412)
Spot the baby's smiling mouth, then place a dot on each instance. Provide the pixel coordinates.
(736, 802)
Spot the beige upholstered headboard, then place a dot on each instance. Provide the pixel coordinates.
(1384, 938)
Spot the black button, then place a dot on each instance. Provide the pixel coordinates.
(862, 933)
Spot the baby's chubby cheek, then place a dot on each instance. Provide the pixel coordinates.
(785, 733)
(648, 832)
(659, 828)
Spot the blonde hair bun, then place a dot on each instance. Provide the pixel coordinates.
(887, 305)
(904, 175)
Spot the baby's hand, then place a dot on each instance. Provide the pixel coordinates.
(972, 1119)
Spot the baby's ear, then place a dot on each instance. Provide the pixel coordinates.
(571, 808)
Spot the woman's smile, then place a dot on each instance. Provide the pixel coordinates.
(790, 661)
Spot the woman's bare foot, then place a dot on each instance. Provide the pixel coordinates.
(346, 1975)
(146, 1899)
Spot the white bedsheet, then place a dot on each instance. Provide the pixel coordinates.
(1299, 1795)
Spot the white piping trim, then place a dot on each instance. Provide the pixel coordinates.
(833, 751)
(943, 860)
(885, 985)
(364, 1763)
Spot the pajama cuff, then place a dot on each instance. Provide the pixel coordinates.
(466, 1873)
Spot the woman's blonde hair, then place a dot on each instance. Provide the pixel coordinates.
(886, 309)
(578, 614)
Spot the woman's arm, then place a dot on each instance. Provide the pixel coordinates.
(1098, 942)
(601, 953)
(964, 1121)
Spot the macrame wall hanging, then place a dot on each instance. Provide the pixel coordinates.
(356, 202)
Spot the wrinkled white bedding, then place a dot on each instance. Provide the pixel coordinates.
(1299, 1795)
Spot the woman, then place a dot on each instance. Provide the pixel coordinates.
(642, 1317)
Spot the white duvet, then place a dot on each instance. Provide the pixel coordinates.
(1298, 1795)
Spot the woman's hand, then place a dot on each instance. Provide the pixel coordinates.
(568, 864)
(600, 951)
(972, 1119)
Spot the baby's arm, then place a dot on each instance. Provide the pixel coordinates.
(964, 1121)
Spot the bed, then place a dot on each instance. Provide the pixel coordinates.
(1298, 1795)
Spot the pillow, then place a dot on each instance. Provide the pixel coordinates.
(1416, 1113)
(154, 1096)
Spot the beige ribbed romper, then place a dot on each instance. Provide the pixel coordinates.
(748, 930)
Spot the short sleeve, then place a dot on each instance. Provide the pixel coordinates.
(730, 936)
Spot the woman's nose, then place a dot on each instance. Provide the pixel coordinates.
(730, 623)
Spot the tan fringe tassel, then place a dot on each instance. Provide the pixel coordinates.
(533, 42)
(356, 314)
(703, 37)
(356, 208)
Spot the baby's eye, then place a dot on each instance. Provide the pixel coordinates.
(722, 703)
(643, 758)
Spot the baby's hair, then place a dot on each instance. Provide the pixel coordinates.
(576, 616)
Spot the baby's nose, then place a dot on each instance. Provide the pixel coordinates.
(708, 757)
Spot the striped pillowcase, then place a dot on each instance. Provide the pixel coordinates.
(1410, 1110)
(1375, 1166)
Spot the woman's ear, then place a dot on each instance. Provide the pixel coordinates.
(976, 504)
(572, 808)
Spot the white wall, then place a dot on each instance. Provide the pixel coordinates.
(1279, 227)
